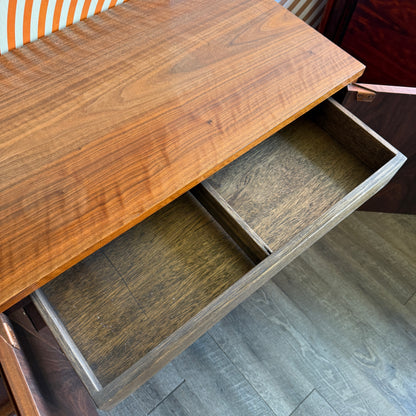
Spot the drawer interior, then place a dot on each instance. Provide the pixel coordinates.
(286, 183)
(121, 302)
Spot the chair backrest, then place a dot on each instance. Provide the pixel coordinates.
(23, 21)
(310, 11)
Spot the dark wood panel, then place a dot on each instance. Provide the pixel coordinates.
(60, 387)
(6, 405)
(41, 379)
(122, 302)
(392, 114)
(112, 118)
(336, 18)
(15, 367)
(25, 314)
(383, 36)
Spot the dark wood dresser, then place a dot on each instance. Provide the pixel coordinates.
(160, 162)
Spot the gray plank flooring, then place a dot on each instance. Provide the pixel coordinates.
(151, 394)
(411, 304)
(207, 369)
(333, 334)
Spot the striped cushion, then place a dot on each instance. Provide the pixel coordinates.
(310, 11)
(23, 21)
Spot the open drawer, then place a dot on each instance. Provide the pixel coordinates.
(124, 312)
(292, 188)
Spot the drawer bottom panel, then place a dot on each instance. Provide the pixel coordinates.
(112, 309)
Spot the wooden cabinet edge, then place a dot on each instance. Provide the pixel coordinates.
(388, 89)
(16, 371)
(66, 342)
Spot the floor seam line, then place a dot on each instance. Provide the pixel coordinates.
(303, 401)
(165, 398)
(242, 375)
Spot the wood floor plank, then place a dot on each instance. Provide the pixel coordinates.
(322, 364)
(213, 386)
(340, 260)
(399, 230)
(314, 405)
(182, 402)
(358, 318)
(256, 337)
(411, 304)
(148, 396)
(386, 244)
(341, 382)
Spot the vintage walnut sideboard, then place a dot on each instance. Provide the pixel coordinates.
(161, 161)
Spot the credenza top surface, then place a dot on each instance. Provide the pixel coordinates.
(105, 122)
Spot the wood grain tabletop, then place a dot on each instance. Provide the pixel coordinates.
(105, 122)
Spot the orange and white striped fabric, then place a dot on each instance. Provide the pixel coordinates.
(23, 21)
(310, 11)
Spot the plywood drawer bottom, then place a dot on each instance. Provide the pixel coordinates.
(117, 313)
